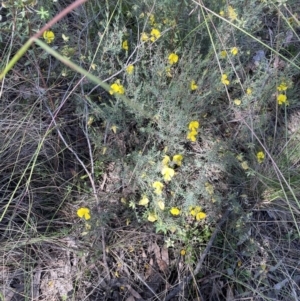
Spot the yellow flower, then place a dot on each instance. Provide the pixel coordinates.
(173, 58)
(84, 213)
(281, 98)
(197, 212)
(223, 54)
(237, 102)
(161, 204)
(282, 87)
(158, 186)
(116, 88)
(209, 188)
(221, 13)
(194, 125)
(224, 80)
(231, 13)
(152, 217)
(244, 165)
(88, 226)
(125, 45)
(175, 211)
(240, 157)
(193, 85)
(144, 37)
(166, 160)
(65, 38)
(234, 51)
(192, 135)
(182, 252)
(114, 128)
(200, 215)
(260, 157)
(194, 210)
(168, 173)
(249, 91)
(130, 69)
(177, 159)
(144, 201)
(90, 120)
(155, 34)
(168, 72)
(49, 36)
(151, 19)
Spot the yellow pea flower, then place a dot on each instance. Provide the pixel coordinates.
(125, 45)
(155, 34)
(237, 102)
(231, 13)
(240, 157)
(161, 204)
(114, 128)
(65, 38)
(249, 91)
(224, 80)
(200, 215)
(173, 58)
(168, 72)
(130, 69)
(194, 125)
(84, 212)
(158, 187)
(193, 85)
(177, 159)
(152, 217)
(194, 210)
(260, 156)
(223, 54)
(175, 211)
(49, 36)
(234, 51)
(116, 88)
(166, 160)
(192, 135)
(281, 98)
(282, 87)
(144, 37)
(151, 19)
(168, 173)
(244, 165)
(144, 201)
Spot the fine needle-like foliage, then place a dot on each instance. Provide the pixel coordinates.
(150, 150)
